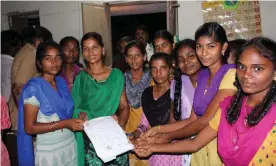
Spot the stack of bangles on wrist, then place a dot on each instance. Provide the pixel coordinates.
(54, 126)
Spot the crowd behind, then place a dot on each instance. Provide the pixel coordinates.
(205, 101)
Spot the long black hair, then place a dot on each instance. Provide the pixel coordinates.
(266, 48)
(178, 82)
(215, 30)
(234, 47)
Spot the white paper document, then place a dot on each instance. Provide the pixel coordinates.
(107, 137)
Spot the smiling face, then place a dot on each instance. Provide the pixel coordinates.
(187, 61)
(160, 71)
(51, 63)
(92, 51)
(209, 51)
(254, 71)
(135, 58)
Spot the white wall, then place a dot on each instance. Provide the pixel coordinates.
(65, 18)
(268, 20)
(190, 18)
(61, 18)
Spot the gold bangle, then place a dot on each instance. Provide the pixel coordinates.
(159, 127)
(51, 126)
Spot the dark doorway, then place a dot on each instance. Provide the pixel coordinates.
(19, 21)
(125, 25)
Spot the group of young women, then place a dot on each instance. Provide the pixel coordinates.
(233, 115)
(187, 108)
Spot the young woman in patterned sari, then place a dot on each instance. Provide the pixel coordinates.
(137, 79)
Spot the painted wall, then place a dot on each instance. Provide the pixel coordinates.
(61, 18)
(65, 18)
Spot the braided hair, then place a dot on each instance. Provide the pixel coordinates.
(178, 81)
(177, 95)
(266, 48)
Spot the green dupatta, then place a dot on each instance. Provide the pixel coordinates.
(96, 99)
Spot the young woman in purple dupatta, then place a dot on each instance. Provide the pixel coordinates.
(70, 48)
(213, 85)
(245, 124)
(45, 110)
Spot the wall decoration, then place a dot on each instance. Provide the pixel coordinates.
(241, 19)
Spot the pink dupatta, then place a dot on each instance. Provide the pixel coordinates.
(238, 143)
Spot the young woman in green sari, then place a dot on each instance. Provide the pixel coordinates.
(98, 91)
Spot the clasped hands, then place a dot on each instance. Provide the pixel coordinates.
(147, 143)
